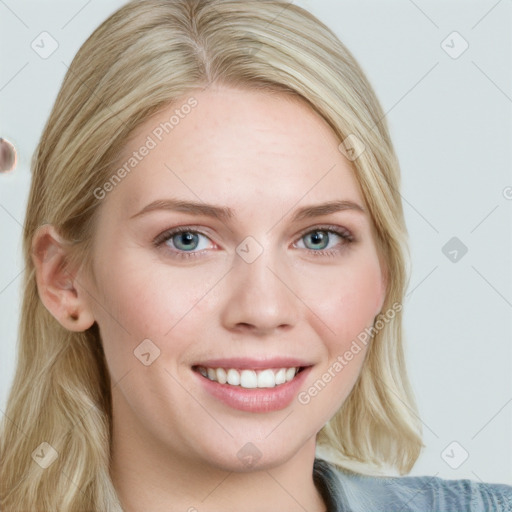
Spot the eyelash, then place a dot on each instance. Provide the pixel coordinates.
(343, 233)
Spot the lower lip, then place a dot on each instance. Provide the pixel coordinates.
(256, 399)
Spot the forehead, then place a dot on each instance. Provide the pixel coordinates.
(234, 146)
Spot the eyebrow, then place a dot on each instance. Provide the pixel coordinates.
(225, 214)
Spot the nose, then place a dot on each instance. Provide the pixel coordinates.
(260, 299)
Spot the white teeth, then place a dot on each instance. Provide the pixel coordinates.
(280, 376)
(222, 376)
(233, 377)
(267, 379)
(249, 379)
(290, 373)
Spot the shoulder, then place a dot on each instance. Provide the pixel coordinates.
(422, 493)
(437, 494)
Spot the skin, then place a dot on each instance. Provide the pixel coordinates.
(264, 156)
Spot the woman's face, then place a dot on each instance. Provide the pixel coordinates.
(264, 277)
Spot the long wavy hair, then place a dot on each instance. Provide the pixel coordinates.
(140, 60)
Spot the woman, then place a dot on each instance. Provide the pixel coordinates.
(214, 245)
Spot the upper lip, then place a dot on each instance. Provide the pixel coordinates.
(253, 363)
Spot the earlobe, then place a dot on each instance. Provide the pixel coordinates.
(57, 287)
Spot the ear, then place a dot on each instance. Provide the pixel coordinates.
(58, 288)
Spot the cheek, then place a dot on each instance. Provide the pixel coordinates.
(344, 309)
(138, 302)
(346, 299)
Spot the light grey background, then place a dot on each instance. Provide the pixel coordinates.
(450, 119)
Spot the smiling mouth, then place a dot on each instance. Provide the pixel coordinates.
(250, 379)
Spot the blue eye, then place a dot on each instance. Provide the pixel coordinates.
(183, 240)
(322, 240)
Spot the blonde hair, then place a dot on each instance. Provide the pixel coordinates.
(145, 56)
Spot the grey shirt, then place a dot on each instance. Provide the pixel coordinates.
(344, 491)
